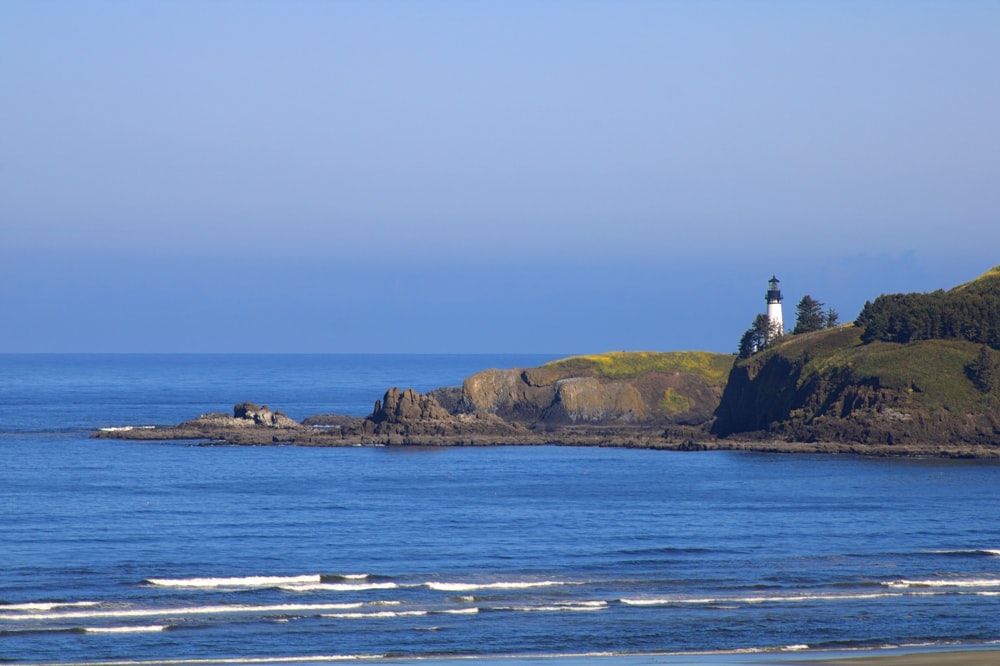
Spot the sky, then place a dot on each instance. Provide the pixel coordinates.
(496, 176)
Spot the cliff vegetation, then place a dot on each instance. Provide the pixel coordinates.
(912, 368)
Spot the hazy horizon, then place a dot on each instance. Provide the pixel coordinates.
(448, 177)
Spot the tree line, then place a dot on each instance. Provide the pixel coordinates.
(971, 315)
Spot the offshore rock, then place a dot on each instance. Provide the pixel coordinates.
(262, 416)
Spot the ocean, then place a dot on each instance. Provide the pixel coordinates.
(123, 552)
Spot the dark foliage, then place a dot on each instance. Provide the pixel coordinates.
(966, 314)
(984, 370)
(762, 334)
(809, 315)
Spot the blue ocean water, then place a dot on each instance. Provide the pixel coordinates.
(117, 552)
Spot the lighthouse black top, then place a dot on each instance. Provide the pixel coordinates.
(773, 292)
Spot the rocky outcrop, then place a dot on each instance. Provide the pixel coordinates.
(248, 424)
(407, 407)
(645, 399)
(830, 387)
(554, 395)
(587, 400)
(262, 416)
(405, 416)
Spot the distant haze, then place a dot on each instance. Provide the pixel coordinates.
(483, 176)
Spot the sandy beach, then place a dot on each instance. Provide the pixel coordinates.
(986, 656)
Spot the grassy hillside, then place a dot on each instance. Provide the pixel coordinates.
(931, 372)
(713, 368)
(829, 385)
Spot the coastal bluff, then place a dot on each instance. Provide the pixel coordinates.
(644, 399)
(913, 375)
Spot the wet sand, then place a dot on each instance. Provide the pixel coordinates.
(968, 657)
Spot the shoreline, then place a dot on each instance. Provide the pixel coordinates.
(670, 439)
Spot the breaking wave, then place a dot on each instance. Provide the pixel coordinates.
(944, 582)
(471, 587)
(225, 609)
(235, 582)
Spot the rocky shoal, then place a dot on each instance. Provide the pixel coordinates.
(402, 421)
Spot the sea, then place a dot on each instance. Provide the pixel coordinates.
(119, 552)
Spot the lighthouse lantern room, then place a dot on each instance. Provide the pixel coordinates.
(773, 299)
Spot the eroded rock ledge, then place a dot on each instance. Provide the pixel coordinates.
(408, 418)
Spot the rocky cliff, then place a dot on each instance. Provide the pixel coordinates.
(679, 388)
(829, 386)
(641, 399)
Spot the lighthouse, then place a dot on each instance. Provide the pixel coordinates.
(773, 299)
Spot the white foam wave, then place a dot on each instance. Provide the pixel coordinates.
(792, 598)
(172, 612)
(47, 606)
(125, 630)
(337, 587)
(376, 614)
(459, 611)
(239, 581)
(993, 552)
(944, 582)
(126, 428)
(408, 613)
(579, 606)
(469, 587)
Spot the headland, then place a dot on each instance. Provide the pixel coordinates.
(913, 375)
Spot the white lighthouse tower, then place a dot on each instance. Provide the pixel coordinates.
(773, 299)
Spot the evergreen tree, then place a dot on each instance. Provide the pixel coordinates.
(809, 315)
(984, 371)
(832, 318)
(762, 334)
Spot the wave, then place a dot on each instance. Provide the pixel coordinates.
(470, 587)
(125, 630)
(667, 551)
(47, 605)
(170, 611)
(569, 606)
(408, 613)
(968, 552)
(790, 598)
(236, 581)
(944, 582)
(988, 552)
(337, 587)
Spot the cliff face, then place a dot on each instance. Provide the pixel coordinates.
(619, 388)
(828, 386)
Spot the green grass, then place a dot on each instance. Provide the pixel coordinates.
(930, 372)
(714, 368)
(983, 281)
(673, 402)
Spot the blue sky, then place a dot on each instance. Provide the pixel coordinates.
(562, 177)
